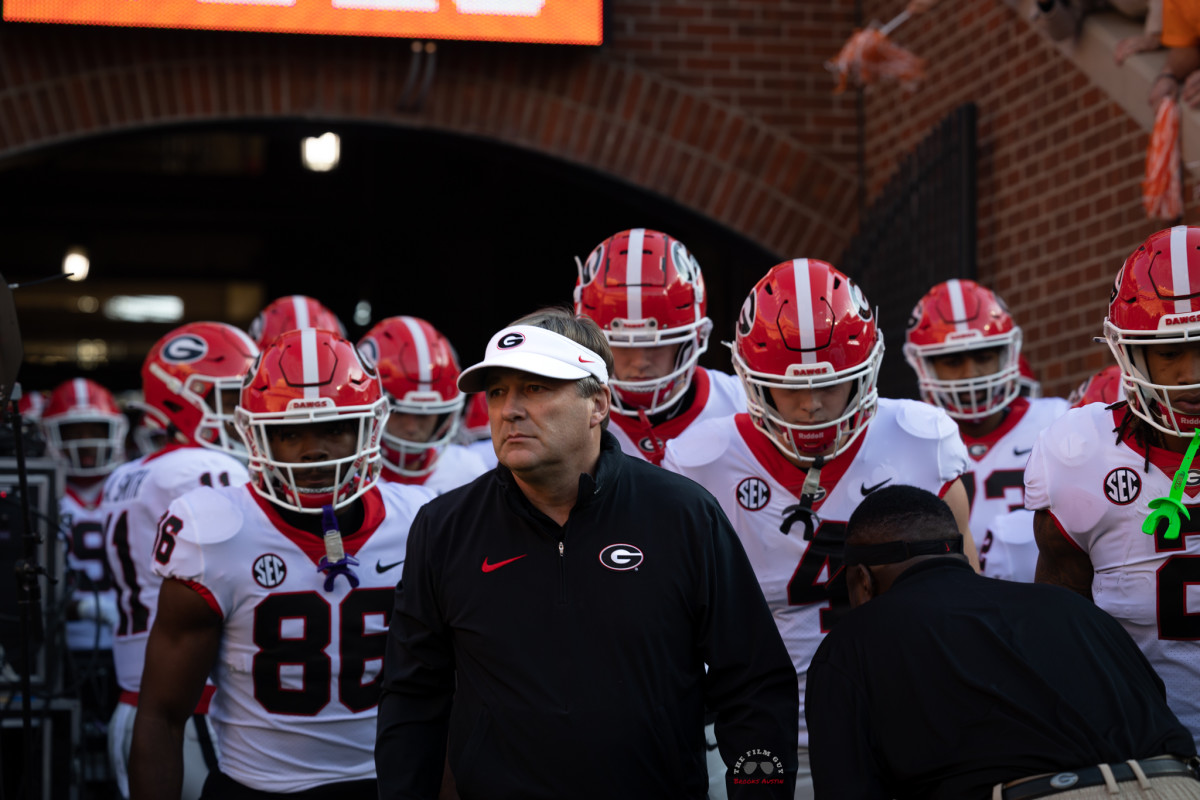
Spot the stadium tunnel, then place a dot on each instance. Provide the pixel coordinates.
(465, 232)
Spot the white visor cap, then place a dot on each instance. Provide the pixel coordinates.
(537, 351)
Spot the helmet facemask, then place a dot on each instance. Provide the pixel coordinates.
(655, 395)
(1150, 401)
(108, 451)
(416, 459)
(351, 476)
(827, 439)
(969, 399)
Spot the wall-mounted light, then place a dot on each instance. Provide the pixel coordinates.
(76, 264)
(321, 153)
(362, 313)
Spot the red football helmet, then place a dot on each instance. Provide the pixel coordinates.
(1103, 387)
(1156, 300)
(955, 317)
(292, 313)
(476, 424)
(644, 289)
(806, 325)
(184, 376)
(312, 376)
(419, 371)
(81, 401)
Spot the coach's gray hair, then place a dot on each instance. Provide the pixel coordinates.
(581, 330)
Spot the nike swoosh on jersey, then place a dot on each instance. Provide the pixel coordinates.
(381, 568)
(493, 567)
(866, 490)
(1019, 452)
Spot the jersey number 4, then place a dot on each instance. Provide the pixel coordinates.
(819, 577)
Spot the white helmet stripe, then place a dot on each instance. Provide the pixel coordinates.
(424, 360)
(79, 388)
(300, 309)
(249, 344)
(1181, 282)
(308, 355)
(958, 306)
(804, 310)
(633, 273)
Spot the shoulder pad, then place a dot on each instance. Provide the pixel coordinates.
(1075, 436)
(921, 419)
(701, 444)
(209, 515)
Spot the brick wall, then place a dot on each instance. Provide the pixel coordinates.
(1059, 171)
(722, 105)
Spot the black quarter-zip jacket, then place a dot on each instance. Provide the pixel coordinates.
(569, 662)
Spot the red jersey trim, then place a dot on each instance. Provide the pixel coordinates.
(1167, 461)
(787, 474)
(1016, 410)
(668, 430)
(171, 448)
(313, 545)
(1065, 535)
(203, 591)
(92, 506)
(391, 476)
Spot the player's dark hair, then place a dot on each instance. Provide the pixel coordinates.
(901, 514)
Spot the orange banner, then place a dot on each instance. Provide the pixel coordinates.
(544, 21)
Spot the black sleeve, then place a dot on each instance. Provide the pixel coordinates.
(418, 682)
(751, 684)
(839, 740)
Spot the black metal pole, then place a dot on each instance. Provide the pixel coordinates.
(29, 600)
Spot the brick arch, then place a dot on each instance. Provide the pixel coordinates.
(589, 108)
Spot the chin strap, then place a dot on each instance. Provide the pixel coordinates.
(1170, 507)
(808, 495)
(655, 456)
(335, 561)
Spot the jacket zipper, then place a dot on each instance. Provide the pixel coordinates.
(562, 571)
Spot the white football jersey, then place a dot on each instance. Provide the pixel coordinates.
(995, 482)
(456, 465)
(799, 569)
(83, 521)
(1012, 549)
(718, 394)
(1098, 492)
(299, 665)
(136, 495)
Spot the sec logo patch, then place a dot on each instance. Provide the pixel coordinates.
(269, 571)
(753, 494)
(1122, 486)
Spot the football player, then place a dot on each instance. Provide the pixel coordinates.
(645, 291)
(190, 380)
(282, 588)
(85, 433)
(816, 440)
(1109, 523)
(420, 370)
(290, 313)
(965, 348)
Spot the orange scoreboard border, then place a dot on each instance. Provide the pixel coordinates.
(556, 22)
